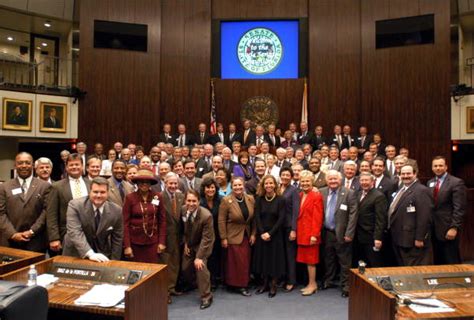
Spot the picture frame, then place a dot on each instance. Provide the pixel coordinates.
(53, 117)
(17, 114)
(470, 119)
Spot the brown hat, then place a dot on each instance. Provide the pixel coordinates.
(145, 175)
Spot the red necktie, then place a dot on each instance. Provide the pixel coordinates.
(436, 191)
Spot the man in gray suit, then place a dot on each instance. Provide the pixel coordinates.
(23, 208)
(319, 176)
(190, 181)
(340, 222)
(94, 225)
(334, 162)
(449, 194)
(63, 191)
(118, 187)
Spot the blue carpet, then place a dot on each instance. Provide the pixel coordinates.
(327, 304)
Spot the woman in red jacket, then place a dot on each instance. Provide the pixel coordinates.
(309, 224)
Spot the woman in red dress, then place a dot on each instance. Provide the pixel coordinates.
(309, 224)
(144, 232)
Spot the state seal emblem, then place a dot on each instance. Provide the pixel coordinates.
(259, 51)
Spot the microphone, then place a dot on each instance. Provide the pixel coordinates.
(408, 302)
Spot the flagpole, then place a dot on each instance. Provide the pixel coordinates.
(213, 115)
(304, 104)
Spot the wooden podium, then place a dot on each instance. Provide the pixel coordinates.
(13, 259)
(145, 299)
(367, 300)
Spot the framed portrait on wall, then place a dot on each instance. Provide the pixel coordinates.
(17, 114)
(53, 117)
(470, 119)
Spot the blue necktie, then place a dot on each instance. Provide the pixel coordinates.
(330, 223)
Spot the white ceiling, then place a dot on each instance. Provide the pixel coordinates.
(62, 9)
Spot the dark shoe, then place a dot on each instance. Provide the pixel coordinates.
(261, 290)
(272, 293)
(244, 292)
(206, 303)
(169, 300)
(344, 294)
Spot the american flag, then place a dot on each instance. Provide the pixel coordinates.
(213, 110)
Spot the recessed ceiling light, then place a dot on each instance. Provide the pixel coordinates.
(44, 44)
(9, 38)
(47, 24)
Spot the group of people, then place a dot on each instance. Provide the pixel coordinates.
(239, 208)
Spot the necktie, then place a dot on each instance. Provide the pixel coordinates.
(77, 189)
(97, 219)
(221, 137)
(390, 167)
(339, 140)
(394, 203)
(189, 228)
(348, 184)
(273, 139)
(173, 205)
(122, 193)
(190, 183)
(279, 164)
(364, 193)
(295, 184)
(24, 187)
(231, 136)
(155, 167)
(330, 221)
(259, 142)
(436, 191)
(181, 143)
(246, 134)
(362, 141)
(202, 137)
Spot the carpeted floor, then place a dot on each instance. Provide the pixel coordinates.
(327, 304)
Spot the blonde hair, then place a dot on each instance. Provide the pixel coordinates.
(307, 174)
(261, 185)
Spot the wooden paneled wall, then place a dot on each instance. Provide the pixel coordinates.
(401, 92)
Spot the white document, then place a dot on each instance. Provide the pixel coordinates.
(46, 279)
(102, 295)
(441, 306)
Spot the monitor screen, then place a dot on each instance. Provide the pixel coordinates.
(405, 31)
(120, 35)
(267, 49)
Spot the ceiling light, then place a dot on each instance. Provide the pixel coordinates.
(47, 24)
(9, 38)
(44, 44)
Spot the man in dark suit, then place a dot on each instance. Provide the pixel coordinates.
(336, 139)
(232, 136)
(251, 185)
(182, 138)
(350, 181)
(305, 136)
(248, 135)
(281, 159)
(204, 164)
(118, 187)
(259, 136)
(348, 140)
(202, 136)
(23, 208)
(390, 153)
(190, 181)
(449, 194)
(271, 138)
(371, 222)
(94, 226)
(219, 136)
(198, 243)
(166, 136)
(318, 139)
(383, 183)
(340, 221)
(227, 160)
(410, 220)
(51, 121)
(173, 200)
(63, 191)
(363, 141)
(319, 176)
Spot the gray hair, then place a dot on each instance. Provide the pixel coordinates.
(43, 160)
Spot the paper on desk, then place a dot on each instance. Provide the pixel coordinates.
(46, 279)
(442, 307)
(102, 295)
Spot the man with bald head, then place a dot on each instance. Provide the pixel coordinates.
(23, 208)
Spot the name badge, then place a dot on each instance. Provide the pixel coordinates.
(16, 191)
(432, 184)
(411, 209)
(155, 202)
(343, 207)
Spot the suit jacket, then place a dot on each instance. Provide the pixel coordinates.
(284, 164)
(320, 182)
(355, 185)
(200, 239)
(347, 142)
(215, 139)
(310, 218)
(292, 207)
(202, 168)
(387, 186)
(367, 141)
(450, 207)
(277, 143)
(372, 219)
(318, 142)
(253, 139)
(307, 138)
(114, 193)
(230, 165)
(411, 219)
(48, 123)
(345, 216)
(204, 140)
(196, 186)
(338, 165)
(250, 138)
(173, 222)
(232, 225)
(228, 141)
(20, 213)
(251, 185)
(58, 201)
(333, 141)
(163, 138)
(189, 139)
(82, 235)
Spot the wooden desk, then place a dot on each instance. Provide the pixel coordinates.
(22, 258)
(146, 299)
(368, 301)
